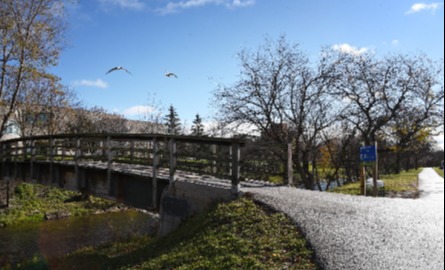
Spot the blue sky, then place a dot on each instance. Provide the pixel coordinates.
(199, 41)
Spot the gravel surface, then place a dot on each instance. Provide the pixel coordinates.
(358, 233)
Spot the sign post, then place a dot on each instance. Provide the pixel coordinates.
(362, 179)
(368, 157)
(375, 172)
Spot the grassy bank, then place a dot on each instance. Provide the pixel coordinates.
(439, 171)
(403, 185)
(30, 203)
(237, 235)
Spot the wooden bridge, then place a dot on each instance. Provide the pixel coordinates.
(131, 168)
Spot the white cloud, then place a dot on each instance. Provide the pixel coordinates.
(173, 7)
(346, 48)
(242, 3)
(91, 83)
(138, 110)
(395, 42)
(418, 7)
(126, 4)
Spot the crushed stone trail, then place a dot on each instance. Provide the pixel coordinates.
(355, 232)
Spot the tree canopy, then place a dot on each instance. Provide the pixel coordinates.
(31, 40)
(326, 108)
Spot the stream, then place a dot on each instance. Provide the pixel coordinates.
(59, 237)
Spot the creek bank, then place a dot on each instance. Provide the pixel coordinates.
(36, 203)
(45, 221)
(56, 215)
(63, 214)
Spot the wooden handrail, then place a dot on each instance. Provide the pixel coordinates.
(130, 136)
(177, 151)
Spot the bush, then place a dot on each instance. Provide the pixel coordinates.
(24, 191)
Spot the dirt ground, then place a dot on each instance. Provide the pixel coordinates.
(403, 195)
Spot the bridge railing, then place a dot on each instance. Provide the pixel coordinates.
(163, 153)
(265, 161)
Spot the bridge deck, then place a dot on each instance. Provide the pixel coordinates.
(164, 174)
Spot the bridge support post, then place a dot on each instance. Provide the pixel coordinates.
(51, 160)
(33, 157)
(80, 174)
(16, 154)
(8, 186)
(214, 158)
(173, 160)
(155, 172)
(76, 159)
(109, 161)
(290, 164)
(131, 151)
(235, 150)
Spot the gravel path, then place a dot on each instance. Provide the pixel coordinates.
(360, 233)
(431, 187)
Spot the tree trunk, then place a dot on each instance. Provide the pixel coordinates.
(398, 162)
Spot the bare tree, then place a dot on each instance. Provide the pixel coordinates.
(338, 155)
(422, 116)
(31, 39)
(370, 91)
(44, 106)
(283, 97)
(96, 120)
(376, 92)
(397, 100)
(153, 117)
(80, 122)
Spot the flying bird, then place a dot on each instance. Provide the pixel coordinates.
(118, 68)
(171, 75)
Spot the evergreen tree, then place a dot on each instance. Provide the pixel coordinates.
(172, 122)
(198, 127)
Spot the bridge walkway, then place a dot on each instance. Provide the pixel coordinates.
(164, 174)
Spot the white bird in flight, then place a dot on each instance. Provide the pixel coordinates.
(171, 74)
(118, 68)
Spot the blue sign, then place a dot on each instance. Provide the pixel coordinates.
(368, 154)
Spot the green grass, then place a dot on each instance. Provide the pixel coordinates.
(32, 202)
(237, 235)
(350, 189)
(405, 182)
(439, 171)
